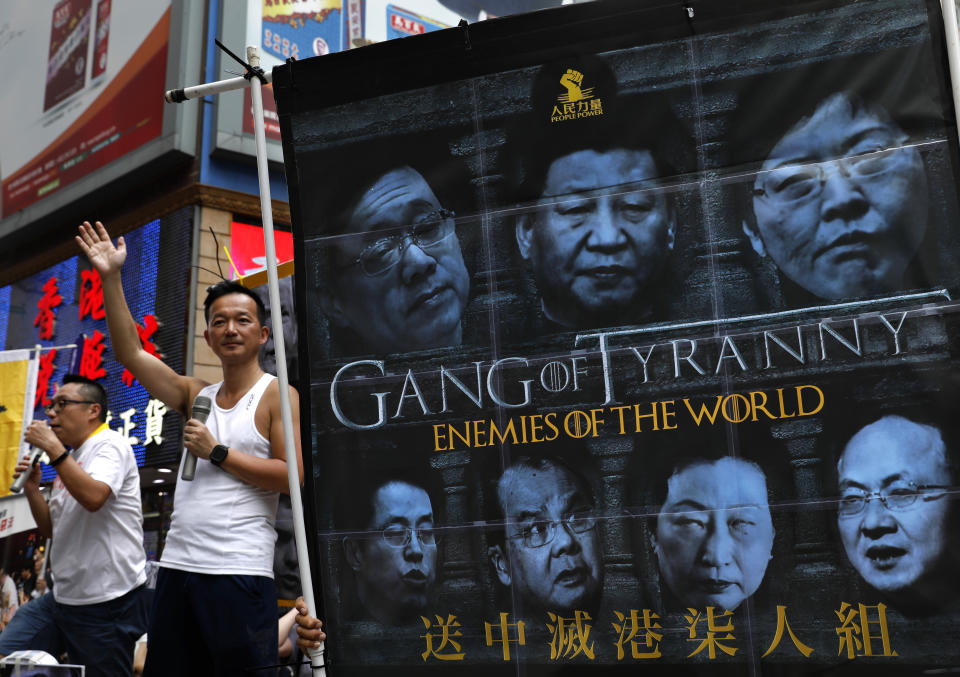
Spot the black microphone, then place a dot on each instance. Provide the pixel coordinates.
(18, 483)
(201, 409)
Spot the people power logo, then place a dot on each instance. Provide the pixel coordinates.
(577, 101)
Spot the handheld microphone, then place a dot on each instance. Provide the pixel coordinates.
(201, 409)
(18, 483)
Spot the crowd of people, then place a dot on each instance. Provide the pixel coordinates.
(21, 581)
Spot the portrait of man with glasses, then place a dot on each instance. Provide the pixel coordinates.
(393, 277)
(840, 204)
(392, 550)
(894, 513)
(548, 551)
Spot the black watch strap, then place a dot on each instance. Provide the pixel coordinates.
(59, 459)
(219, 454)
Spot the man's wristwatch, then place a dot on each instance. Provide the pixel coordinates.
(58, 460)
(219, 454)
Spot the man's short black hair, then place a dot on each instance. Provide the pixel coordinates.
(232, 287)
(91, 390)
(935, 410)
(354, 509)
(336, 182)
(897, 82)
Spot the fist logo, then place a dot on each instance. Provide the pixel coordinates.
(572, 81)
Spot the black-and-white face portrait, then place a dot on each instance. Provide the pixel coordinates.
(551, 552)
(268, 357)
(714, 533)
(399, 281)
(395, 563)
(894, 508)
(600, 237)
(840, 204)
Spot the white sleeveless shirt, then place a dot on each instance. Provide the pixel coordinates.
(221, 524)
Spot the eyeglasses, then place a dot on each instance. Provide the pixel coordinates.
(427, 230)
(58, 405)
(897, 497)
(400, 537)
(538, 534)
(793, 183)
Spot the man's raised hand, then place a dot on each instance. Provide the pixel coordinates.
(100, 250)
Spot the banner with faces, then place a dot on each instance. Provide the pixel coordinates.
(627, 340)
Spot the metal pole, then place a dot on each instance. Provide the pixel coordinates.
(276, 321)
(200, 91)
(953, 52)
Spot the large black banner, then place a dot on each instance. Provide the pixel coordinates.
(627, 341)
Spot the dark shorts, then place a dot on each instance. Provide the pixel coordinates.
(205, 624)
(99, 636)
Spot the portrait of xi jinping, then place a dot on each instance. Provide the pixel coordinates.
(600, 227)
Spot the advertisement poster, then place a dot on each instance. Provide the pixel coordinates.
(61, 310)
(296, 30)
(633, 347)
(86, 77)
(401, 23)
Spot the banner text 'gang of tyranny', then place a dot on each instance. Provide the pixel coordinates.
(627, 339)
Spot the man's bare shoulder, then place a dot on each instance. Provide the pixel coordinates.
(268, 410)
(193, 386)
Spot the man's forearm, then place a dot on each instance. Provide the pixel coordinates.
(266, 473)
(120, 323)
(88, 492)
(40, 510)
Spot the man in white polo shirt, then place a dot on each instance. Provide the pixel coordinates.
(99, 605)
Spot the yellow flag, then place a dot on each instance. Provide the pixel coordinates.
(17, 390)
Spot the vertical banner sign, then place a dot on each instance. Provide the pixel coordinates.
(633, 346)
(18, 380)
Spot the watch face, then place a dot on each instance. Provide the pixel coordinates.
(218, 454)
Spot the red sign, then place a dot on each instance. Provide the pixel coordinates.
(66, 61)
(44, 372)
(407, 25)
(46, 317)
(247, 250)
(91, 295)
(271, 121)
(125, 114)
(91, 358)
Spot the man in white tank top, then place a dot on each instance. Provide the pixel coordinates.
(215, 604)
